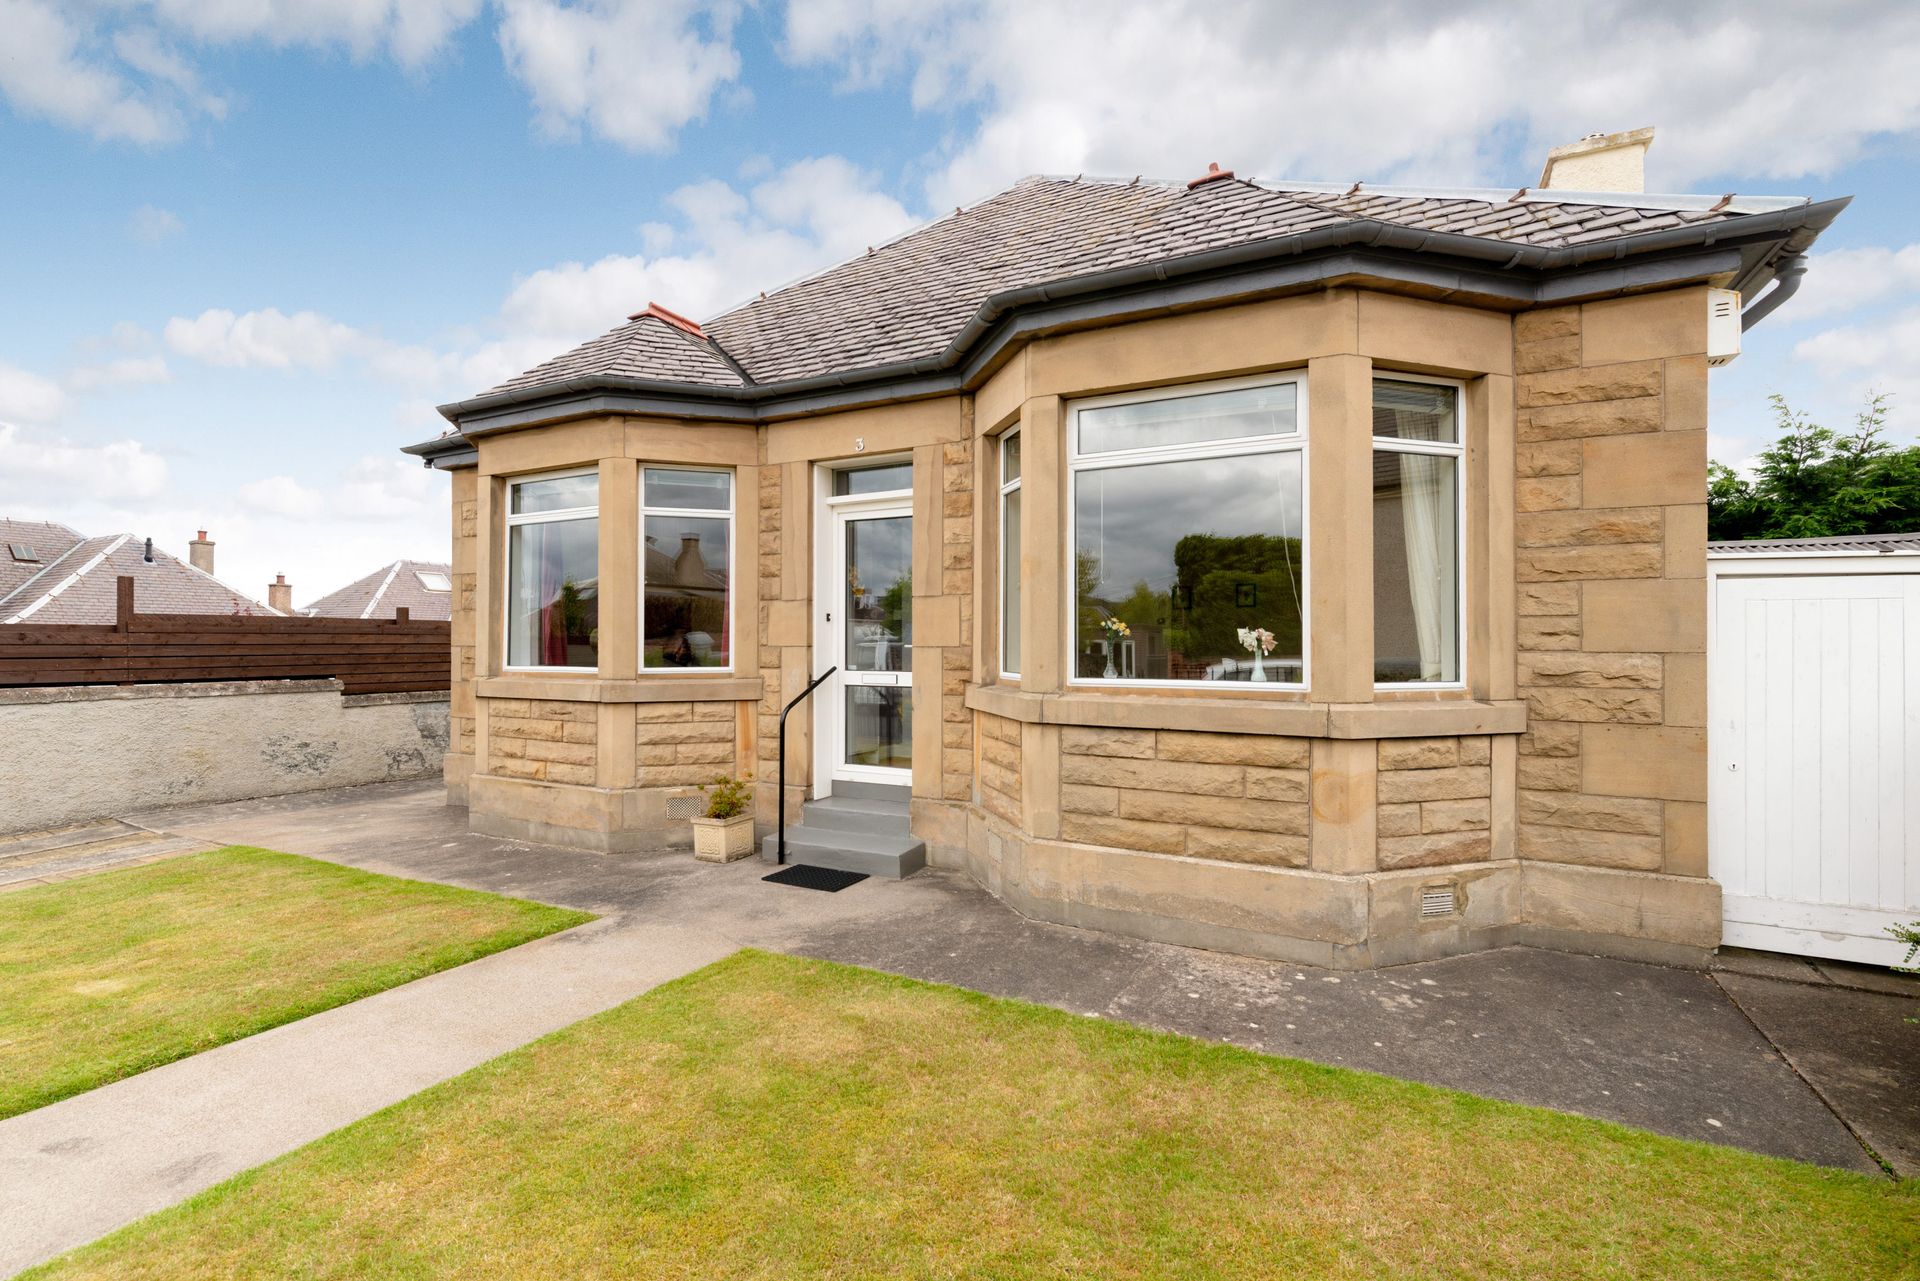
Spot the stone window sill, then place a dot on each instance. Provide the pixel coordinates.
(1441, 717)
(671, 689)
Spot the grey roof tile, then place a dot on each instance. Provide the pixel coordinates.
(644, 347)
(387, 589)
(907, 300)
(82, 587)
(42, 541)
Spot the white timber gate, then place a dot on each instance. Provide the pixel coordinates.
(1813, 819)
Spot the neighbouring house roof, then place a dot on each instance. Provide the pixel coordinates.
(916, 305)
(1837, 545)
(82, 586)
(29, 546)
(404, 583)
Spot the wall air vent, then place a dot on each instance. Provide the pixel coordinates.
(688, 806)
(1436, 901)
(1723, 326)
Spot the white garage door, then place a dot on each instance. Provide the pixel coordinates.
(1814, 801)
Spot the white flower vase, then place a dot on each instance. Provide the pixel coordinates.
(1259, 669)
(1110, 673)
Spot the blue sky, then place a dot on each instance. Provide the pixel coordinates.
(251, 243)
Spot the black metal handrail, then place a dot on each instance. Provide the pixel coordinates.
(780, 802)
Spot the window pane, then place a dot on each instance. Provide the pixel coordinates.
(558, 494)
(1189, 420)
(873, 480)
(701, 490)
(1010, 582)
(688, 610)
(1172, 560)
(1010, 458)
(553, 594)
(1415, 411)
(1416, 567)
(878, 609)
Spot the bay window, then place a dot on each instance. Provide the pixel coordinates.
(1418, 471)
(1010, 554)
(686, 568)
(1188, 536)
(553, 571)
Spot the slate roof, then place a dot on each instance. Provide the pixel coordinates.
(645, 347)
(43, 539)
(387, 589)
(81, 586)
(1837, 545)
(909, 299)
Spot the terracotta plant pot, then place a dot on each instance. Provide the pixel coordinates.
(722, 840)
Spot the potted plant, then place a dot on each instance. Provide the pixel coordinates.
(725, 832)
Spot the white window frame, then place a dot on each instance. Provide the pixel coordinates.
(506, 554)
(1240, 447)
(733, 556)
(1456, 450)
(1006, 552)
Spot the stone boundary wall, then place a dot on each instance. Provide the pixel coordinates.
(70, 754)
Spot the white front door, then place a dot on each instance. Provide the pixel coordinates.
(865, 628)
(1814, 742)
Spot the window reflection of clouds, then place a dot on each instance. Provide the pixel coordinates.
(1130, 518)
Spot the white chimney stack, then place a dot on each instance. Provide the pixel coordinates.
(1600, 162)
(200, 553)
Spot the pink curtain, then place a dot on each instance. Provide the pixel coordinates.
(553, 620)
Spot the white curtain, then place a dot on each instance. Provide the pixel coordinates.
(1426, 507)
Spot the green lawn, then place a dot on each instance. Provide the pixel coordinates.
(111, 974)
(769, 1117)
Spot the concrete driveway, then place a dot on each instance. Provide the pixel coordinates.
(1659, 1048)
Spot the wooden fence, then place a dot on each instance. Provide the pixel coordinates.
(368, 656)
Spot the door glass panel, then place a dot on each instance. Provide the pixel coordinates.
(880, 725)
(879, 602)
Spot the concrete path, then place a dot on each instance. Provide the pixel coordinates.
(1659, 1048)
(80, 1168)
(61, 853)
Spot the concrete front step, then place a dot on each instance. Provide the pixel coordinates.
(853, 814)
(892, 855)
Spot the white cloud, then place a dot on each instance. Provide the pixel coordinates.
(47, 71)
(267, 339)
(411, 31)
(631, 73)
(34, 467)
(1848, 278)
(125, 371)
(150, 225)
(1857, 360)
(28, 395)
(116, 71)
(282, 496)
(382, 487)
(731, 243)
(1414, 92)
